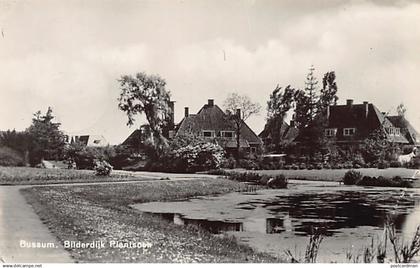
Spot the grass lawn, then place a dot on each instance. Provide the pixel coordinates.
(30, 176)
(100, 212)
(334, 174)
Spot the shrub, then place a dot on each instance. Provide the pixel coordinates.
(264, 180)
(358, 160)
(351, 177)
(229, 163)
(220, 172)
(193, 158)
(327, 166)
(247, 164)
(302, 166)
(383, 164)
(245, 177)
(294, 167)
(10, 157)
(395, 164)
(414, 163)
(277, 182)
(102, 168)
(356, 166)
(384, 182)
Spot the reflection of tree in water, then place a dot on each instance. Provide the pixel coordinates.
(333, 211)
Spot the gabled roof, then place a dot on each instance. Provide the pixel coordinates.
(407, 129)
(287, 133)
(364, 117)
(90, 140)
(134, 140)
(211, 117)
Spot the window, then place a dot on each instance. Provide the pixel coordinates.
(227, 134)
(253, 149)
(97, 141)
(349, 131)
(208, 133)
(330, 132)
(393, 131)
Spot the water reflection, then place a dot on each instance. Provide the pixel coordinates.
(331, 211)
(348, 216)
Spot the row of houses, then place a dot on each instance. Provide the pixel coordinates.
(348, 123)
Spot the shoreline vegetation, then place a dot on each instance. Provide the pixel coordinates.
(40, 176)
(89, 213)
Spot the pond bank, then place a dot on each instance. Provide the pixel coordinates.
(273, 221)
(101, 212)
(336, 174)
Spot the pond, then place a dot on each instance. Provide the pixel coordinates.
(273, 221)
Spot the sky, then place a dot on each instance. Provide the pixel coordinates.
(70, 54)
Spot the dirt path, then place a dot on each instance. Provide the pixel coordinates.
(19, 222)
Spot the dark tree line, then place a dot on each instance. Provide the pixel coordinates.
(308, 105)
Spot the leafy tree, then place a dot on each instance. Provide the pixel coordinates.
(17, 140)
(328, 94)
(279, 104)
(236, 103)
(146, 94)
(47, 140)
(401, 110)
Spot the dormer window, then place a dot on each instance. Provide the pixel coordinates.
(394, 131)
(330, 132)
(349, 131)
(208, 133)
(227, 134)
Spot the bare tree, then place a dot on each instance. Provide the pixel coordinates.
(239, 108)
(234, 101)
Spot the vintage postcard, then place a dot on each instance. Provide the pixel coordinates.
(201, 131)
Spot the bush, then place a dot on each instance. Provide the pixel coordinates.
(198, 157)
(10, 157)
(380, 181)
(229, 163)
(395, 164)
(277, 182)
(414, 163)
(351, 177)
(247, 164)
(103, 168)
(383, 164)
(302, 166)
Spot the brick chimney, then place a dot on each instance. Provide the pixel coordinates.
(210, 102)
(366, 104)
(171, 114)
(238, 113)
(349, 102)
(186, 112)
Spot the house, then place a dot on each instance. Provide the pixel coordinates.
(214, 124)
(286, 135)
(88, 140)
(406, 129)
(353, 123)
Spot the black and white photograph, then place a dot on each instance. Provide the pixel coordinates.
(209, 131)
